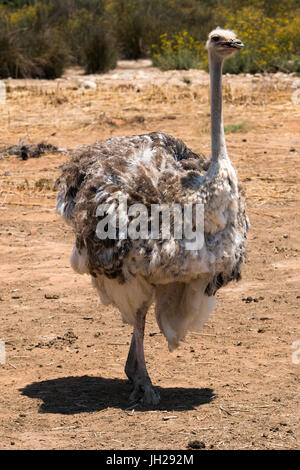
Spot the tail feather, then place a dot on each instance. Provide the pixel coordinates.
(181, 307)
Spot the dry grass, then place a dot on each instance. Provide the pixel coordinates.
(64, 113)
(127, 100)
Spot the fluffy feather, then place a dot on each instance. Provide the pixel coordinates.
(154, 169)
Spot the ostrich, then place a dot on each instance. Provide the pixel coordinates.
(131, 274)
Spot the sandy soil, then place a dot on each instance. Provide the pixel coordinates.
(235, 384)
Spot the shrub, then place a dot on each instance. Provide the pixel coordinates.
(130, 28)
(138, 24)
(51, 55)
(78, 29)
(39, 38)
(99, 51)
(29, 47)
(270, 43)
(46, 60)
(180, 52)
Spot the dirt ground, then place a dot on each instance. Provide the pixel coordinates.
(234, 384)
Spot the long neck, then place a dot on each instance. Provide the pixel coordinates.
(218, 144)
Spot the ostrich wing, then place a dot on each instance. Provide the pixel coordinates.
(147, 169)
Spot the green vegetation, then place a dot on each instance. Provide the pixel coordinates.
(236, 128)
(40, 38)
(181, 52)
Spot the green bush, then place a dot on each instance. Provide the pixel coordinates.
(138, 24)
(13, 62)
(130, 28)
(180, 52)
(99, 51)
(41, 38)
(28, 46)
(51, 56)
(43, 57)
(271, 44)
(77, 30)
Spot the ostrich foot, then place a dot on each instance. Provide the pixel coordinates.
(144, 392)
(135, 368)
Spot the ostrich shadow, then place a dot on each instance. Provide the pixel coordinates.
(72, 395)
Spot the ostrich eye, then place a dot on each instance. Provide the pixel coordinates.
(215, 38)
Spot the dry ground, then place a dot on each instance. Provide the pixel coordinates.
(233, 385)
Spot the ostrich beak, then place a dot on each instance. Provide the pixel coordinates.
(234, 44)
(237, 44)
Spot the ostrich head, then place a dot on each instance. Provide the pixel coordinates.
(222, 43)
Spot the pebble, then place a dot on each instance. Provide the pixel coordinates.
(196, 444)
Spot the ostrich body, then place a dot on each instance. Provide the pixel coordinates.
(131, 274)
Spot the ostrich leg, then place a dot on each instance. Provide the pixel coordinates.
(135, 367)
(131, 364)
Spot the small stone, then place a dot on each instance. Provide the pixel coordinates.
(51, 296)
(196, 444)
